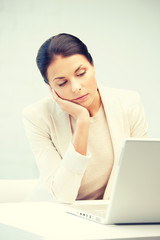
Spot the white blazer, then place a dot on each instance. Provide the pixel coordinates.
(61, 167)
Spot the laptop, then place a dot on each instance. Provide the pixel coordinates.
(135, 196)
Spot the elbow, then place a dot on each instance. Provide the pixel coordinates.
(65, 193)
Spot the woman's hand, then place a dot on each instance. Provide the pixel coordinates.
(81, 115)
(75, 110)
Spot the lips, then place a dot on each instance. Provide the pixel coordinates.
(83, 97)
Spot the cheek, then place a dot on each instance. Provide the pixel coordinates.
(62, 92)
(92, 82)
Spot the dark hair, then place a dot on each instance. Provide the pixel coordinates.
(62, 44)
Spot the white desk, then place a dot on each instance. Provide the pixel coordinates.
(51, 221)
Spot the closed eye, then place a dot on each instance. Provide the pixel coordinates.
(81, 73)
(62, 84)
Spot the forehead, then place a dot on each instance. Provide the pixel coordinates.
(65, 65)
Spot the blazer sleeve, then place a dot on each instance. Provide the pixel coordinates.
(61, 177)
(137, 119)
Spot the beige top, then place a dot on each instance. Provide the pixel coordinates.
(96, 176)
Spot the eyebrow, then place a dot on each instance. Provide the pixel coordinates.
(64, 77)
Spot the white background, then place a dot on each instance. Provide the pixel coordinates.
(123, 36)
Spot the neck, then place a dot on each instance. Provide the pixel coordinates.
(95, 106)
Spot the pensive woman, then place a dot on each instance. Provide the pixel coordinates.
(76, 133)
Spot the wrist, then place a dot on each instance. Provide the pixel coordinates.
(83, 120)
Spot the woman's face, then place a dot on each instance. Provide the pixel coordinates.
(73, 79)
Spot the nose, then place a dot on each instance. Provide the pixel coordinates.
(76, 86)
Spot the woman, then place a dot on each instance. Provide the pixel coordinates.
(77, 133)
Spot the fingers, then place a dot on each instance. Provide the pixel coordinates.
(67, 106)
(55, 95)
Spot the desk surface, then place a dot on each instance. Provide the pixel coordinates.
(52, 222)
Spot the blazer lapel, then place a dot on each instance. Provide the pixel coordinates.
(62, 128)
(115, 121)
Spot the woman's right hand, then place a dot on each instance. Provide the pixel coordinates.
(81, 115)
(75, 110)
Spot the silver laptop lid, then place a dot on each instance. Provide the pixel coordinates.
(136, 191)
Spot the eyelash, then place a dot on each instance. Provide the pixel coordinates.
(79, 75)
(62, 84)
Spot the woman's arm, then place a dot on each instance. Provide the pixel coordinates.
(80, 137)
(81, 115)
(60, 175)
